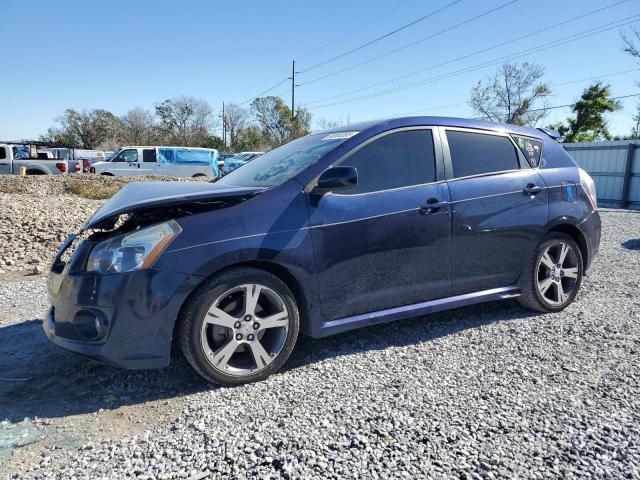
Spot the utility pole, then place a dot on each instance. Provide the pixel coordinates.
(224, 127)
(293, 90)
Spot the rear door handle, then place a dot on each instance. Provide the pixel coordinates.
(532, 189)
(433, 205)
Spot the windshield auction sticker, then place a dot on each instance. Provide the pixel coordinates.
(339, 135)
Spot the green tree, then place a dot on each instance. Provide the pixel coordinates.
(514, 94)
(276, 123)
(250, 139)
(86, 129)
(588, 123)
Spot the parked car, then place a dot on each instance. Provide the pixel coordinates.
(239, 159)
(13, 157)
(360, 225)
(221, 160)
(176, 161)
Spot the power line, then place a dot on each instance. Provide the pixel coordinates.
(395, 50)
(595, 77)
(440, 107)
(477, 52)
(377, 39)
(308, 54)
(353, 30)
(265, 91)
(574, 104)
(539, 48)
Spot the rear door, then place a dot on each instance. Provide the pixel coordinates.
(377, 245)
(499, 208)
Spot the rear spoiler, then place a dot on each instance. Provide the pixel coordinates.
(552, 133)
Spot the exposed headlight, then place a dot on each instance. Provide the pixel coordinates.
(589, 187)
(134, 250)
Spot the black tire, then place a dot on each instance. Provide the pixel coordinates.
(193, 315)
(531, 296)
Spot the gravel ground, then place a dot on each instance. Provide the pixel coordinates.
(482, 392)
(37, 213)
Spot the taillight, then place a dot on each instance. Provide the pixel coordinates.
(62, 167)
(78, 168)
(589, 187)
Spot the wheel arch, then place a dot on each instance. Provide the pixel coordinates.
(35, 171)
(576, 234)
(278, 270)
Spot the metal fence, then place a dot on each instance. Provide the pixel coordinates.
(615, 168)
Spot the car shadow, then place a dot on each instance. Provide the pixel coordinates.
(39, 379)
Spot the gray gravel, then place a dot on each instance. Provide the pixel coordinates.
(482, 392)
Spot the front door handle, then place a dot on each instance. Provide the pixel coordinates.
(532, 189)
(433, 205)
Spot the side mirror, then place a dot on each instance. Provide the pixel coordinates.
(338, 177)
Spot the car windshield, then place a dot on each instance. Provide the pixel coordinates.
(280, 164)
(113, 154)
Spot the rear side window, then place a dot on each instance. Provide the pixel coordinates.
(3, 153)
(149, 155)
(396, 160)
(479, 153)
(530, 148)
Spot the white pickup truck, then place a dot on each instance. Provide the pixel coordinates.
(10, 163)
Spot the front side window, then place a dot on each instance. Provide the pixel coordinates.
(129, 155)
(396, 160)
(3, 153)
(480, 153)
(126, 156)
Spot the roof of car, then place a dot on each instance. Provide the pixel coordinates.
(400, 122)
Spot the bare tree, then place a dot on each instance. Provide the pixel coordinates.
(137, 127)
(185, 121)
(236, 119)
(629, 43)
(513, 95)
(326, 124)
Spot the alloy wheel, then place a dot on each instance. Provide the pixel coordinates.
(245, 329)
(557, 273)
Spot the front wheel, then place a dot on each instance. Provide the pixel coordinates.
(553, 276)
(239, 327)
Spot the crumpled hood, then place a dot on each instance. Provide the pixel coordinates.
(139, 196)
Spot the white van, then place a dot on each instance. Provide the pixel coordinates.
(175, 161)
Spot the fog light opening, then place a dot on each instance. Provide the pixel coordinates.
(89, 325)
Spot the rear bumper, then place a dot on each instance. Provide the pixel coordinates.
(591, 229)
(123, 319)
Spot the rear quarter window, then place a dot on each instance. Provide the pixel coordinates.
(531, 148)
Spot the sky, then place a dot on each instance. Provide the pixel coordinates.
(120, 54)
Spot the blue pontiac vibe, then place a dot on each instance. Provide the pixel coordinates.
(355, 226)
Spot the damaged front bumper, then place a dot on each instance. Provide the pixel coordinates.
(124, 319)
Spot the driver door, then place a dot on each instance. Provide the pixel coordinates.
(126, 164)
(378, 245)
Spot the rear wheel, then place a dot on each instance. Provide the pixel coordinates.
(240, 327)
(554, 275)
